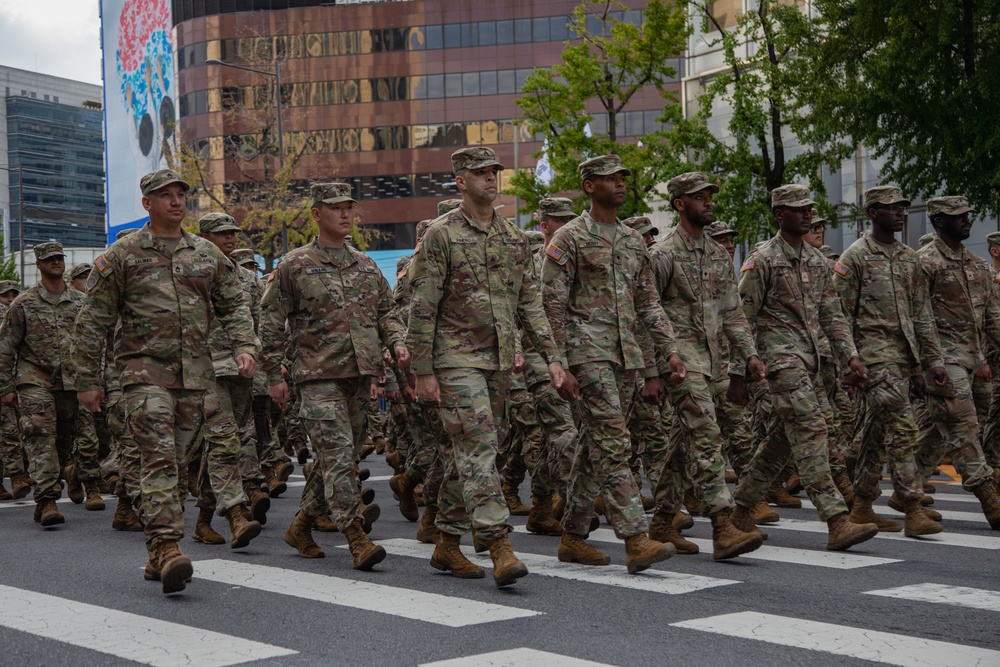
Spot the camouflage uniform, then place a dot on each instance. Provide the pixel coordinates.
(340, 314)
(991, 425)
(35, 362)
(885, 299)
(165, 301)
(471, 281)
(11, 454)
(789, 299)
(595, 294)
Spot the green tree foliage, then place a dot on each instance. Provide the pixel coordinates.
(9, 267)
(601, 72)
(917, 83)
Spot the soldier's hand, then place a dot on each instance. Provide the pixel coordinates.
(90, 400)
(758, 371)
(859, 373)
(393, 395)
(653, 391)
(737, 391)
(407, 394)
(402, 357)
(918, 386)
(569, 388)
(284, 371)
(246, 365)
(428, 388)
(678, 371)
(11, 400)
(519, 363)
(985, 373)
(941, 378)
(279, 394)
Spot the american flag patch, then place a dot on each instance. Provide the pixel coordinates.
(401, 274)
(840, 268)
(101, 263)
(417, 249)
(747, 265)
(554, 251)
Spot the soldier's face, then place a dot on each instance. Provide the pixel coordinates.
(955, 227)
(53, 267)
(479, 184)
(815, 235)
(727, 241)
(608, 191)
(795, 221)
(79, 284)
(224, 241)
(335, 219)
(168, 204)
(888, 218)
(7, 298)
(697, 207)
(552, 224)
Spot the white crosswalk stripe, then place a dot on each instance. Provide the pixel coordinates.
(957, 596)
(139, 638)
(882, 647)
(652, 580)
(446, 610)
(518, 657)
(947, 515)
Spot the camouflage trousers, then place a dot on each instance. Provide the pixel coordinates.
(473, 415)
(124, 450)
(48, 425)
(887, 428)
(397, 430)
(695, 453)
(334, 413)
(798, 430)
(991, 428)
(220, 479)
(288, 423)
(601, 460)
(423, 460)
(650, 426)
(982, 394)
(240, 391)
(11, 452)
(837, 440)
(527, 448)
(268, 451)
(750, 429)
(164, 424)
(952, 427)
(375, 420)
(556, 418)
(86, 446)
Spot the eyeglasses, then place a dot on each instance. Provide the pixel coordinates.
(895, 208)
(818, 227)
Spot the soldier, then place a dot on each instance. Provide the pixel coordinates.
(11, 454)
(966, 312)
(340, 314)
(788, 296)
(885, 299)
(696, 286)
(472, 278)
(37, 378)
(165, 285)
(991, 428)
(597, 287)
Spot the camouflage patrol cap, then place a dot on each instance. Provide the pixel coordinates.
(422, 227)
(719, 228)
(331, 193)
(828, 252)
(49, 249)
(926, 238)
(993, 239)
(535, 237)
(950, 205)
(9, 286)
(642, 224)
(448, 205)
(401, 262)
(817, 221)
(790, 195)
(161, 178)
(884, 195)
(689, 183)
(243, 256)
(217, 222)
(557, 207)
(474, 157)
(122, 233)
(80, 270)
(603, 165)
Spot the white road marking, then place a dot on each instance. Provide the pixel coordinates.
(947, 515)
(518, 657)
(957, 596)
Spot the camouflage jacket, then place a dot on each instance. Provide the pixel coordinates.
(166, 304)
(697, 288)
(791, 305)
(885, 300)
(223, 350)
(595, 293)
(470, 285)
(35, 340)
(965, 305)
(340, 315)
(403, 290)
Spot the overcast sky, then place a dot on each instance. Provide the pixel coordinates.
(60, 37)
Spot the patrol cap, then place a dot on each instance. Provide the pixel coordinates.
(603, 165)
(161, 178)
(641, 224)
(49, 249)
(122, 233)
(9, 286)
(447, 206)
(557, 207)
(790, 195)
(80, 270)
(818, 221)
(718, 228)
(885, 195)
(828, 252)
(950, 205)
(689, 183)
(331, 193)
(926, 238)
(243, 256)
(535, 237)
(474, 157)
(217, 222)
(401, 262)
(422, 227)
(993, 239)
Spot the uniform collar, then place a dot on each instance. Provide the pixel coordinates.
(147, 240)
(691, 242)
(875, 246)
(51, 298)
(592, 226)
(948, 252)
(494, 224)
(326, 254)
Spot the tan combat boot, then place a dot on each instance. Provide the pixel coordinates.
(448, 557)
(20, 485)
(302, 454)
(862, 513)
(845, 534)
(125, 518)
(573, 548)
(742, 519)
(4, 493)
(203, 531)
(363, 474)
(540, 519)
(843, 484)
(558, 506)
(600, 507)
(648, 504)
(691, 502)
(929, 488)
(48, 514)
(369, 515)
(325, 524)
(427, 532)
(243, 530)
(365, 553)
(793, 483)
(259, 502)
(662, 529)
(152, 570)
(683, 521)
(367, 495)
(763, 513)
(275, 487)
(896, 504)
(514, 504)
(94, 500)
(402, 486)
(506, 567)
(917, 522)
(728, 541)
(395, 462)
(990, 502)
(74, 489)
(641, 552)
(175, 567)
(780, 497)
(299, 536)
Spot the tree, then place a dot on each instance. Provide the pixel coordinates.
(916, 82)
(608, 63)
(9, 269)
(770, 113)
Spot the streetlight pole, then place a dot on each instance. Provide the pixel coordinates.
(281, 135)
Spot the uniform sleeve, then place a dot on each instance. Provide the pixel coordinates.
(532, 316)
(924, 327)
(275, 306)
(753, 287)
(391, 329)
(11, 335)
(558, 274)
(98, 315)
(847, 276)
(233, 311)
(991, 325)
(650, 311)
(428, 272)
(834, 324)
(734, 322)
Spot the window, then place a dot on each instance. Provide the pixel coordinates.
(470, 84)
(558, 29)
(435, 86)
(540, 29)
(433, 35)
(505, 32)
(452, 35)
(488, 83)
(522, 31)
(452, 85)
(522, 76)
(487, 33)
(470, 34)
